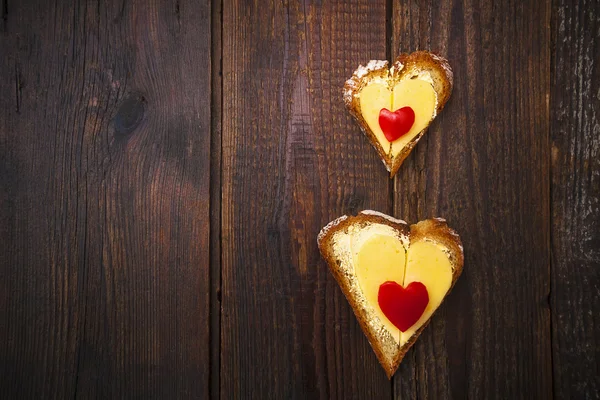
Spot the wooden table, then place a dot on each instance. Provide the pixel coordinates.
(166, 166)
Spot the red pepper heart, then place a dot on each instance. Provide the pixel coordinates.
(397, 123)
(403, 307)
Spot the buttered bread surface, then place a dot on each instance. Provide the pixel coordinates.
(394, 275)
(417, 93)
(382, 257)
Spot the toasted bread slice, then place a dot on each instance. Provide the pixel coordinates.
(366, 250)
(420, 80)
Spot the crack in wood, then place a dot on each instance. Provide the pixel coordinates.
(120, 14)
(18, 87)
(215, 184)
(4, 12)
(178, 14)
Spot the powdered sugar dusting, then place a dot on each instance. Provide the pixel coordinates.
(329, 226)
(348, 94)
(353, 83)
(380, 214)
(396, 67)
(373, 65)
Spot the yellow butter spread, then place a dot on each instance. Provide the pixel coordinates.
(380, 256)
(416, 93)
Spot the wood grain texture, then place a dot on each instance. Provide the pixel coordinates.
(483, 166)
(166, 165)
(215, 196)
(293, 159)
(575, 125)
(105, 147)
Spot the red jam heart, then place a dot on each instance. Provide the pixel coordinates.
(397, 123)
(403, 307)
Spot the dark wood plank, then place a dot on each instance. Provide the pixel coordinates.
(215, 197)
(575, 124)
(484, 166)
(411, 30)
(293, 159)
(216, 101)
(105, 149)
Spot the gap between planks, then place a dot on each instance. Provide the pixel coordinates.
(216, 109)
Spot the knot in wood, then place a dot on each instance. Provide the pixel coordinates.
(130, 114)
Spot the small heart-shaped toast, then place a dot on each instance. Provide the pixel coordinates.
(394, 275)
(420, 82)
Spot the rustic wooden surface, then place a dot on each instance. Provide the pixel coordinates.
(286, 329)
(575, 199)
(165, 167)
(484, 166)
(105, 129)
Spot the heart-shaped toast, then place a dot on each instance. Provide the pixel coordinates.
(382, 100)
(394, 275)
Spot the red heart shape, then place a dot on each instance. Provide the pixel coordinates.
(397, 123)
(403, 307)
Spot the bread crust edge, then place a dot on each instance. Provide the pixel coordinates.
(405, 63)
(435, 229)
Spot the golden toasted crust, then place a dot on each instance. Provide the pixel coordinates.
(436, 230)
(387, 359)
(441, 73)
(404, 66)
(361, 77)
(432, 229)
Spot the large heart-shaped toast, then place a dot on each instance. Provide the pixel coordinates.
(394, 275)
(394, 106)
